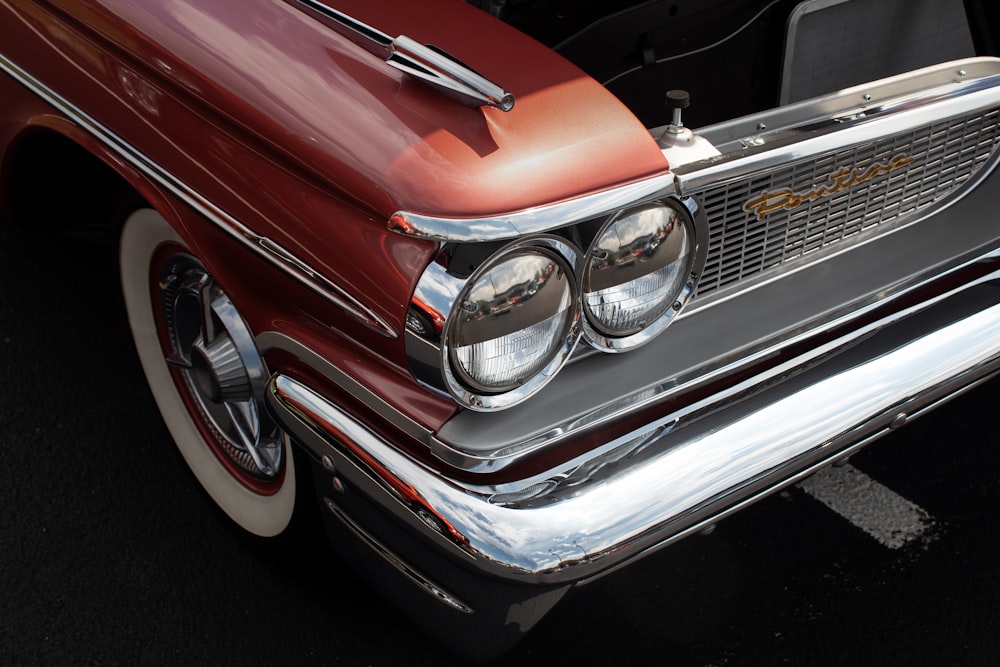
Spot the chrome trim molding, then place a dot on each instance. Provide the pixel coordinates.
(435, 302)
(697, 226)
(704, 468)
(533, 220)
(477, 398)
(426, 64)
(270, 340)
(751, 144)
(799, 213)
(371, 36)
(857, 115)
(422, 62)
(438, 291)
(801, 183)
(264, 247)
(566, 430)
(422, 582)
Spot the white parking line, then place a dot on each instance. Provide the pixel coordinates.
(885, 515)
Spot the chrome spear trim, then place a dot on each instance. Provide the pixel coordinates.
(442, 71)
(420, 61)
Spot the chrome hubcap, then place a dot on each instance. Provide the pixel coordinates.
(215, 355)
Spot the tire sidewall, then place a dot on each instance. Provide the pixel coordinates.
(143, 233)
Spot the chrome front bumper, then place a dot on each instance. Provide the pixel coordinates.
(806, 362)
(699, 469)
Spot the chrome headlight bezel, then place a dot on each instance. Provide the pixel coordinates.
(441, 290)
(448, 293)
(684, 212)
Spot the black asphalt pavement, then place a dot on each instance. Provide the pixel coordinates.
(111, 554)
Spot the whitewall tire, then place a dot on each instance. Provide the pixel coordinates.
(206, 377)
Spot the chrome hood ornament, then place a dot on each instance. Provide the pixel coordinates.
(438, 69)
(421, 61)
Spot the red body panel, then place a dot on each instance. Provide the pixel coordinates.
(311, 141)
(373, 132)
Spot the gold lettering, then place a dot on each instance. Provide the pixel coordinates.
(837, 182)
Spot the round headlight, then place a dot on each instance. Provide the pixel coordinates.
(512, 327)
(637, 274)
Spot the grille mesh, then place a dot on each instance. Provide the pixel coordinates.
(944, 155)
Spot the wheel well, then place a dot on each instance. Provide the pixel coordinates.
(54, 185)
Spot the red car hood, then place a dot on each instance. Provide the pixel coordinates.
(379, 136)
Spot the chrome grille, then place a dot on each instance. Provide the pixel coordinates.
(944, 155)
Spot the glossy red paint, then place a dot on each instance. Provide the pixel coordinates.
(566, 135)
(313, 142)
(334, 236)
(220, 161)
(376, 134)
(274, 302)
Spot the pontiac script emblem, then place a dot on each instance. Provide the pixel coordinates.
(846, 178)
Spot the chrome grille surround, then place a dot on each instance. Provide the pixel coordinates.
(742, 244)
(855, 165)
(944, 118)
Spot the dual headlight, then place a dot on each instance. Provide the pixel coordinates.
(514, 321)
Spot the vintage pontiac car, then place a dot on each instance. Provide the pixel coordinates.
(462, 275)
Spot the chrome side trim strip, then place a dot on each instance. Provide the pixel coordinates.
(270, 340)
(373, 37)
(533, 220)
(264, 247)
(695, 473)
(422, 582)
